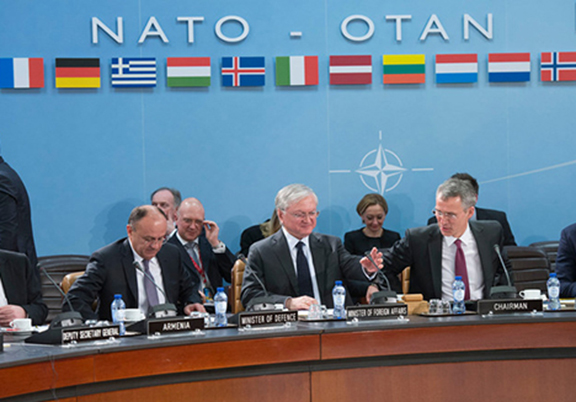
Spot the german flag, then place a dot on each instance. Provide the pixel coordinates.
(77, 73)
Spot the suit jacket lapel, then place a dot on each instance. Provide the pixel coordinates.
(318, 250)
(284, 258)
(129, 269)
(484, 251)
(435, 252)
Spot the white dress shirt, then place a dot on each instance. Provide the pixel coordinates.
(156, 273)
(473, 265)
(3, 299)
(292, 241)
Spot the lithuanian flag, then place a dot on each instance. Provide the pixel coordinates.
(77, 73)
(404, 69)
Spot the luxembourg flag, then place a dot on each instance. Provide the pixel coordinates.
(508, 67)
(456, 68)
(20, 72)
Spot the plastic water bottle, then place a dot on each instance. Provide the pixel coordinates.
(339, 298)
(118, 316)
(553, 285)
(220, 306)
(458, 290)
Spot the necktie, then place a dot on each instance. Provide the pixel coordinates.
(304, 279)
(149, 286)
(460, 267)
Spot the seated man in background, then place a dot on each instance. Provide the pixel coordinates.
(119, 269)
(566, 262)
(483, 214)
(20, 291)
(168, 200)
(455, 246)
(298, 268)
(203, 253)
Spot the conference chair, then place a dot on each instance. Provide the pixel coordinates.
(405, 280)
(69, 280)
(58, 266)
(236, 286)
(551, 250)
(530, 267)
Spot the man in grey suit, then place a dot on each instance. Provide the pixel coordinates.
(433, 251)
(294, 266)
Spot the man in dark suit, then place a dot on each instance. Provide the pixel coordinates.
(483, 214)
(204, 254)
(113, 270)
(298, 268)
(566, 261)
(15, 223)
(168, 200)
(455, 246)
(20, 292)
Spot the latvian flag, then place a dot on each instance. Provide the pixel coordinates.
(188, 71)
(508, 67)
(558, 66)
(404, 69)
(133, 72)
(296, 70)
(21, 72)
(350, 70)
(456, 68)
(77, 73)
(243, 71)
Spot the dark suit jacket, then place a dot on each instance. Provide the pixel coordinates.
(566, 262)
(217, 266)
(250, 236)
(270, 259)
(483, 214)
(111, 271)
(15, 222)
(421, 249)
(22, 285)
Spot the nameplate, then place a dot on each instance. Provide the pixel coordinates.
(264, 318)
(508, 306)
(377, 311)
(172, 325)
(89, 334)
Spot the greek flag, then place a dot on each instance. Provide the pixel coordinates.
(133, 72)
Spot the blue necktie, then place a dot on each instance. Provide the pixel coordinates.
(304, 279)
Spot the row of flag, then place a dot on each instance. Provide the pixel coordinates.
(290, 70)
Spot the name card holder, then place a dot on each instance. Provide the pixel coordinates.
(389, 312)
(75, 335)
(487, 308)
(160, 327)
(267, 320)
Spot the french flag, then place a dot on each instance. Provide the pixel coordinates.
(20, 72)
(508, 67)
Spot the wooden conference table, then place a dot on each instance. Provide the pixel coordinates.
(466, 358)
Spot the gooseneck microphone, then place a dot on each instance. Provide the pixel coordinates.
(161, 310)
(503, 292)
(383, 295)
(259, 303)
(69, 318)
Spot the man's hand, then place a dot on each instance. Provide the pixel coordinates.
(370, 291)
(212, 231)
(300, 303)
(9, 313)
(194, 307)
(377, 257)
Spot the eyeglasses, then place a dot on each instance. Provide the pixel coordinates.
(304, 215)
(151, 240)
(447, 215)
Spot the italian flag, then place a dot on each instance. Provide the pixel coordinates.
(188, 71)
(296, 70)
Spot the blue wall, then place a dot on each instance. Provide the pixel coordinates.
(89, 156)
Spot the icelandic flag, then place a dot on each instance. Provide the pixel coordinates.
(21, 72)
(456, 68)
(508, 67)
(243, 71)
(133, 72)
(558, 66)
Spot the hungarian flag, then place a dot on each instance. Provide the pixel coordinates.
(296, 70)
(188, 71)
(77, 73)
(558, 66)
(404, 69)
(508, 67)
(456, 68)
(350, 70)
(20, 72)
